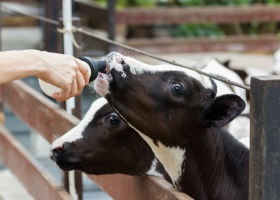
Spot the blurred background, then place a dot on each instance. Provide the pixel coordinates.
(244, 32)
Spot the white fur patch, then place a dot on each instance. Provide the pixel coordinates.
(137, 67)
(153, 169)
(76, 132)
(171, 158)
(245, 141)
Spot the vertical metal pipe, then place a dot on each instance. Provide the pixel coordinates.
(264, 167)
(2, 117)
(0, 26)
(77, 111)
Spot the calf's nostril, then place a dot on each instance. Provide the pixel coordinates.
(57, 150)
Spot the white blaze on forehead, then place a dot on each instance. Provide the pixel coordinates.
(76, 132)
(137, 67)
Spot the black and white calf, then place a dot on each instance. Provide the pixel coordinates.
(102, 143)
(178, 113)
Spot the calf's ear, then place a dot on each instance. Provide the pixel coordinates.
(222, 110)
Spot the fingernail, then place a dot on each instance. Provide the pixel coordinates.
(55, 95)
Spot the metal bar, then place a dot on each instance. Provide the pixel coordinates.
(264, 176)
(82, 30)
(38, 182)
(2, 116)
(261, 43)
(77, 111)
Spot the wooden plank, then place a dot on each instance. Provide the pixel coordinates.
(264, 43)
(38, 182)
(138, 188)
(23, 1)
(179, 15)
(18, 21)
(37, 111)
(47, 118)
(264, 176)
(206, 14)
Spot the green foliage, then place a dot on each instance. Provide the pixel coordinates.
(194, 30)
(129, 3)
(204, 30)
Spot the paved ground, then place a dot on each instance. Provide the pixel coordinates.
(10, 187)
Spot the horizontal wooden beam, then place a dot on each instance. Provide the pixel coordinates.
(206, 14)
(138, 188)
(47, 118)
(38, 182)
(264, 43)
(36, 110)
(180, 15)
(18, 21)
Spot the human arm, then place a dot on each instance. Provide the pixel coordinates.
(63, 71)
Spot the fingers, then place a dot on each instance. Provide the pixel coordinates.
(83, 68)
(65, 72)
(77, 85)
(68, 93)
(81, 82)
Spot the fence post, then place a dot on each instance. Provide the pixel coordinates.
(77, 111)
(52, 10)
(264, 167)
(111, 14)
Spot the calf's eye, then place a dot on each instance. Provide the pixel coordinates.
(114, 120)
(178, 89)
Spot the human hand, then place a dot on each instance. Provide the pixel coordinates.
(65, 72)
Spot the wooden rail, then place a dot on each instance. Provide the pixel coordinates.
(45, 117)
(38, 182)
(191, 15)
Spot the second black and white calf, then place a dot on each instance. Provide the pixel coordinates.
(102, 143)
(178, 114)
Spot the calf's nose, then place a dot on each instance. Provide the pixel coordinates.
(56, 151)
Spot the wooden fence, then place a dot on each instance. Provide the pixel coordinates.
(47, 118)
(43, 115)
(233, 15)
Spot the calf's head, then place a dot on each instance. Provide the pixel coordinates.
(164, 100)
(102, 143)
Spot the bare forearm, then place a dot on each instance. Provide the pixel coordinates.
(19, 64)
(63, 71)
